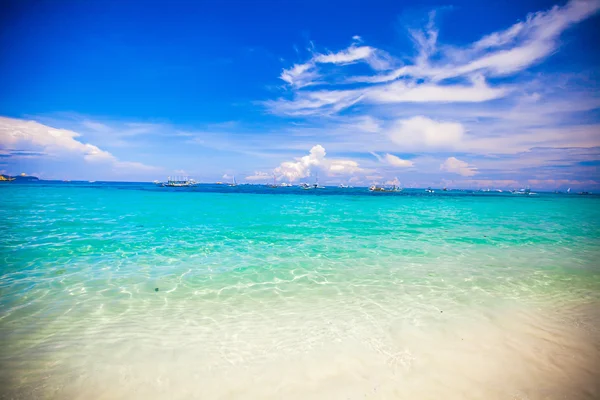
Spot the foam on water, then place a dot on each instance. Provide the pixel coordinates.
(296, 296)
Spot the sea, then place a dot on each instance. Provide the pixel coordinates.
(135, 291)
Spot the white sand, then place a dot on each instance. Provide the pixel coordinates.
(513, 353)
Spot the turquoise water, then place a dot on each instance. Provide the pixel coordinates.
(104, 285)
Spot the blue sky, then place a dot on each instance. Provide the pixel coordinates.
(459, 94)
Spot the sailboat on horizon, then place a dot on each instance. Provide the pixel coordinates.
(274, 185)
(315, 185)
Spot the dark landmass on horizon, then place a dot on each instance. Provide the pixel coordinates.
(18, 178)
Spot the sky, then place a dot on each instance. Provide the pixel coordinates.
(463, 94)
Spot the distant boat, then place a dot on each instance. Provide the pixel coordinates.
(178, 182)
(429, 190)
(342, 186)
(285, 184)
(445, 189)
(315, 185)
(219, 183)
(569, 190)
(584, 193)
(274, 185)
(376, 188)
(234, 183)
(525, 192)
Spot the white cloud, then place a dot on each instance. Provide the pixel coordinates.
(375, 58)
(374, 178)
(315, 102)
(584, 136)
(96, 126)
(300, 75)
(410, 92)
(342, 167)
(531, 40)
(306, 74)
(363, 124)
(316, 161)
(453, 164)
(499, 53)
(393, 160)
(397, 161)
(259, 176)
(395, 182)
(419, 132)
(31, 135)
(424, 80)
(301, 168)
(425, 39)
(325, 102)
(132, 165)
(349, 55)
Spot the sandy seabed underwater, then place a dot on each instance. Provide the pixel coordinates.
(283, 293)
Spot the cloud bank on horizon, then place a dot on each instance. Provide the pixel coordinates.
(482, 113)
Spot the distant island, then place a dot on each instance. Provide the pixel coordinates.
(18, 178)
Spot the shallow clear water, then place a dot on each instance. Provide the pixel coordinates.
(284, 293)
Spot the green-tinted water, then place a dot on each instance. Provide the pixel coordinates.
(246, 277)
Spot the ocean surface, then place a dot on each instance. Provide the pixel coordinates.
(132, 291)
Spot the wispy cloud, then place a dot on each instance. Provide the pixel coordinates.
(419, 132)
(524, 43)
(396, 161)
(259, 176)
(306, 74)
(393, 160)
(425, 79)
(104, 130)
(44, 141)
